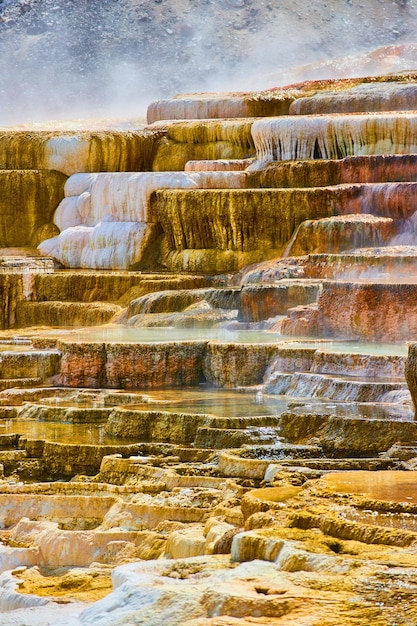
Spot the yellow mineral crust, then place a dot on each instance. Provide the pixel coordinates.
(82, 585)
(28, 199)
(201, 139)
(82, 151)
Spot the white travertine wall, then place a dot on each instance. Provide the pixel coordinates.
(105, 221)
(334, 136)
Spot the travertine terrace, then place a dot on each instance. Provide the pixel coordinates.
(204, 412)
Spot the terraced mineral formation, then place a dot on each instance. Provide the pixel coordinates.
(204, 413)
(333, 136)
(71, 152)
(106, 221)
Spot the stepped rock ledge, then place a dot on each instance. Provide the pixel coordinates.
(208, 359)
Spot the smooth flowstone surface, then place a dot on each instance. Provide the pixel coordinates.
(334, 136)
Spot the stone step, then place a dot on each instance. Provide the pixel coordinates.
(98, 286)
(252, 462)
(29, 363)
(260, 302)
(154, 425)
(27, 264)
(192, 428)
(131, 365)
(8, 412)
(388, 93)
(218, 165)
(9, 383)
(331, 465)
(57, 313)
(237, 364)
(241, 422)
(366, 97)
(354, 309)
(221, 438)
(83, 286)
(346, 232)
(324, 361)
(396, 261)
(189, 140)
(9, 458)
(226, 105)
(342, 389)
(178, 300)
(346, 436)
(71, 510)
(376, 168)
(9, 442)
(216, 231)
(69, 414)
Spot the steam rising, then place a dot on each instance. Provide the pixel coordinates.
(90, 58)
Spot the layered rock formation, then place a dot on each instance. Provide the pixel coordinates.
(174, 425)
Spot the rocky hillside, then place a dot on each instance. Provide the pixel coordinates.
(111, 57)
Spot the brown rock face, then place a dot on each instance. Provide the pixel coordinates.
(131, 366)
(371, 311)
(171, 364)
(341, 436)
(11, 289)
(260, 302)
(154, 425)
(334, 234)
(65, 313)
(362, 98)
(222, 230)
(377, 168)
(83, 365)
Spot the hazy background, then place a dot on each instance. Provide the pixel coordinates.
(90, 58)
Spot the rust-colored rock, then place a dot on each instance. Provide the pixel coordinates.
(372, 311)
(83, 365)
(260, 302)
(337, 233)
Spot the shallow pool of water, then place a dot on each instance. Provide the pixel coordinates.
(368, 410)
(403, 521)
(127, 334)
(92, 434)
(390, 486)
(124, 334)
(216, 401)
